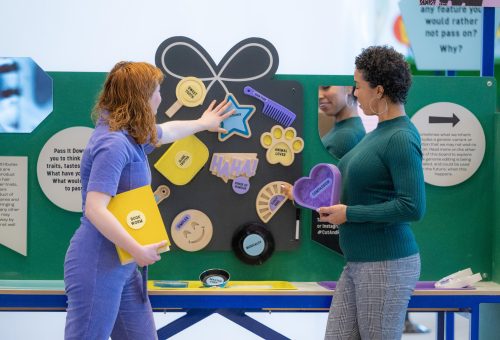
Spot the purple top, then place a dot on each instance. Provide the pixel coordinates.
(113, 162)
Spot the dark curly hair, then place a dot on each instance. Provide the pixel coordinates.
(382, 65)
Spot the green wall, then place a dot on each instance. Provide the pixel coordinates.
(457, 231)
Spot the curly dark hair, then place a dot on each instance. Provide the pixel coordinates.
(382, 65)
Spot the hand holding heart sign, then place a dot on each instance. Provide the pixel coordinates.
(335, 214)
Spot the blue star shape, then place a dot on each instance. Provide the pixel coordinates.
(237, 123)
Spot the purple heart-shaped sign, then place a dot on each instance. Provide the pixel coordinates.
(320, 189)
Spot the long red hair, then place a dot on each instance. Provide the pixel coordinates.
(125, 97)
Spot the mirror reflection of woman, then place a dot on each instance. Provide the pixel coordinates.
(339, 102)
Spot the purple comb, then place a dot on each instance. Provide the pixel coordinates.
(272, 109)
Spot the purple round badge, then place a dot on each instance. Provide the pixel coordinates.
(241, 185)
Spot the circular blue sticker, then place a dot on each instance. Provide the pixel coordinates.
(254, 245)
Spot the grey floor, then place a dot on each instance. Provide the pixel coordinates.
(428, 320)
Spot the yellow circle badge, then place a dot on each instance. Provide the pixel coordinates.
(183, 159)
(136, 219)
(190, 91)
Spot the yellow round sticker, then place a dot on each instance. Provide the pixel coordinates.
(183, 159)
(190, 91)
(136, 219)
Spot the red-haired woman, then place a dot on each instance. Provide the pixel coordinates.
(106, 298)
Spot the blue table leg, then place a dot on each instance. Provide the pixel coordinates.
(474, 322)
(180, 324)
(450, 325)
(239, 317)
(440, 326)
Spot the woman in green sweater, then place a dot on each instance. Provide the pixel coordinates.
(382, 191)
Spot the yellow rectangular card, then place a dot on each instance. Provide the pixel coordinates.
(138, 213)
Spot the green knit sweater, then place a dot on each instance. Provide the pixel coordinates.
(343, 136)
(383, 188)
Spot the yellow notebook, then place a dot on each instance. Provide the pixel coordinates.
(138, 213)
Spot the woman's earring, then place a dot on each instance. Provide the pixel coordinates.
(375, 112)
(349, 100)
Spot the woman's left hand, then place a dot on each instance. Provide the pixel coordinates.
(288, 190)
(335, 214)
(213, 116)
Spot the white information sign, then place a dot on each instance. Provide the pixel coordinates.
(444, 38)
(453, 143)
(58, 167)
(13, 203)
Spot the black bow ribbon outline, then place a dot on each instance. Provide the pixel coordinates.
(249, 60)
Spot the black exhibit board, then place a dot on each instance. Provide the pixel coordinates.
(252, 62)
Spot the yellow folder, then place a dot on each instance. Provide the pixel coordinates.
(138, 213)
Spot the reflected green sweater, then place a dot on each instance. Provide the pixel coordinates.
(383, 188)
(343, 136)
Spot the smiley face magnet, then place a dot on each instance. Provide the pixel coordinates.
(191, 230)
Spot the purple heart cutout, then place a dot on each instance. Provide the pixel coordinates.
(320, 189)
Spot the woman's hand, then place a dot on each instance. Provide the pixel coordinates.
(210, 120)
(335, 214)
(212, 117)
(288, 190)
(148, 254)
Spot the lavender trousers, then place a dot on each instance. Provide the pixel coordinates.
(371, 299)
(105, 298)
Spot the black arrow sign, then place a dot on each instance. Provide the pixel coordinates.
(437, 120)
